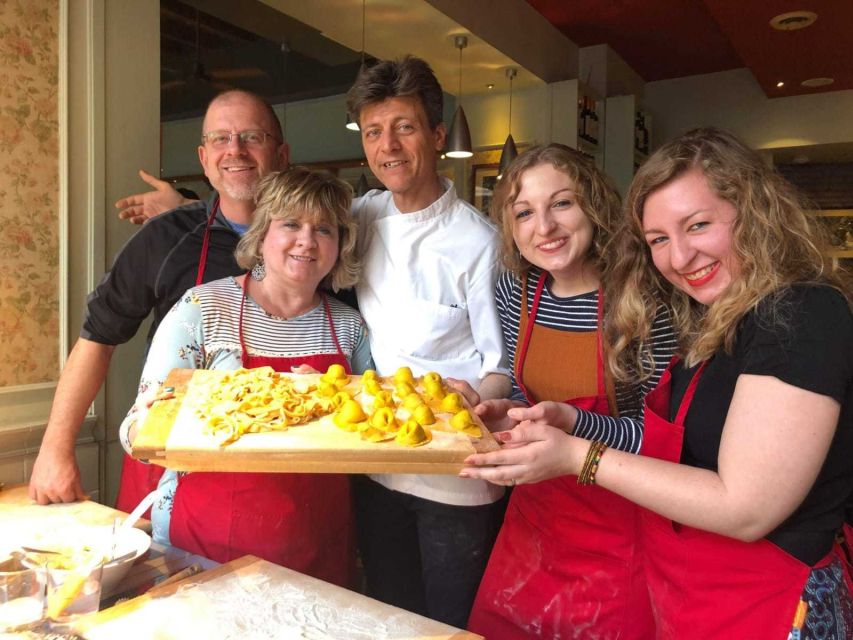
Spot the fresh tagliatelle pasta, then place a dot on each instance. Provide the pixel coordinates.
(257, 400)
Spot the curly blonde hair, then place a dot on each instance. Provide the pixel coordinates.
(595, 194)
(775, 242)
(301, 191)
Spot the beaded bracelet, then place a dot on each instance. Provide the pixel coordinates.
(590, 465)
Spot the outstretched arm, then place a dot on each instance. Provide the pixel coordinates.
(141, 207)
(55, 476)
(775, 440)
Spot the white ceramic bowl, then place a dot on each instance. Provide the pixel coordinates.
(130, 541)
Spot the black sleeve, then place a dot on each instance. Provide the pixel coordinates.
(125, 295)
(806, 341)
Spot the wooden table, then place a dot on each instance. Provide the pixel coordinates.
(250, 597)
(18, 512)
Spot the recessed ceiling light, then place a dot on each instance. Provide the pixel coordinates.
(490, 86)
(780, 84)
(817, 82)
(793, 20)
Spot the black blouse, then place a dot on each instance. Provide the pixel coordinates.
(807, 343)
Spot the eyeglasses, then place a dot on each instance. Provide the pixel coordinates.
(221, 138)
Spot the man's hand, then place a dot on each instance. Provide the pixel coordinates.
(464, 389)
(55, 477)
(141, 207)
(493, 413)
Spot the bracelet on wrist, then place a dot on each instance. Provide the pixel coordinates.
(591, 462)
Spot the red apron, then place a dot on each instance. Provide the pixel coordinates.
(703, 585)
(298, 520)
(564, 563)
(137, 478)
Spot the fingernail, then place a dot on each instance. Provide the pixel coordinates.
(462, 474)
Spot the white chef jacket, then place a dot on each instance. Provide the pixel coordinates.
(427, 294)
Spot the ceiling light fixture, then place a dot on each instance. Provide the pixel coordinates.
(459, 140)
(353, 126)
(793, 20)
(817, 82)
(509, 152)
(780, 84)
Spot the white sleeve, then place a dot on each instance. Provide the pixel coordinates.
(178, 343)
(485, 321)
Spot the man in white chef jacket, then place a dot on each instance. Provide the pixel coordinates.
(430, 262)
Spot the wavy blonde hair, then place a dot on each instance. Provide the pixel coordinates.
(594, 192)
(775, 242)
(301, 191)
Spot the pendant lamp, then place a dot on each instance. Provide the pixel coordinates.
(509, 152)
(362, 187)
(353, 126)
(459, 140)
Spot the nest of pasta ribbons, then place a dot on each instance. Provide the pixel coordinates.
(258, 400)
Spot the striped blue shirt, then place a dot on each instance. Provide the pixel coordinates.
(580, 314)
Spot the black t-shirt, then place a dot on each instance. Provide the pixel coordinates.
(808, 343)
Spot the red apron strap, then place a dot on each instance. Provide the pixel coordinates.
(528, 331)
(244, 353)
(602, 387)
(686, 401)
(202, 260)
(333, 332)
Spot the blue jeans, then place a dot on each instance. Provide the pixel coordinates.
(420, 555)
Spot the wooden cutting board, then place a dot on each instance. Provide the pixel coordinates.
(250, 597)
(172, 436)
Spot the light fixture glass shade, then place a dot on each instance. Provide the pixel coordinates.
(459, 140)
(362, 187)
(352, 126)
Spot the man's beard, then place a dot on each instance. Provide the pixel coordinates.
(241, 191)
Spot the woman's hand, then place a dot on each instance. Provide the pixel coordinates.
(494, 413)
(558, 414)
(538, 452)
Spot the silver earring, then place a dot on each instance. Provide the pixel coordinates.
(259, 271)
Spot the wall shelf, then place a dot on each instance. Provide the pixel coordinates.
(839, 223)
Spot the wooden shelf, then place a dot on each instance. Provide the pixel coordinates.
(832, 213)
(840, 253)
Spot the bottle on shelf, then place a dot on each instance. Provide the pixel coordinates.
(638, 132)
(644, 134)
(592, 128)
(582, 118)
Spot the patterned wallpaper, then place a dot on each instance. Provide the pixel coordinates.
(29, 192)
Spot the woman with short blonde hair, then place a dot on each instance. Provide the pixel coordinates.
(275, 316)
(293, 193)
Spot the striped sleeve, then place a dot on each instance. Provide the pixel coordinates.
(626, 432)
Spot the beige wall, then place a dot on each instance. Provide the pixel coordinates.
(29, 192)
(107, 101)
